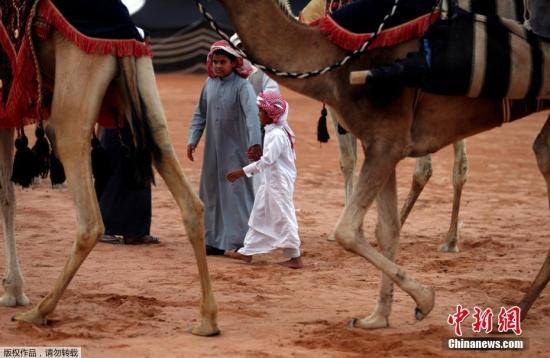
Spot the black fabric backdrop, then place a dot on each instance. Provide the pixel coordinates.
(180, 37)
(108, 19)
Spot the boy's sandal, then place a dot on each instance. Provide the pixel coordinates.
(141, 240)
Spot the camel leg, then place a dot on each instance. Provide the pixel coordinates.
(460, 172)
(349, 233)
(536, 287)
(541, 147)
(191, 208)
(13, 281)
(421, 175)
(387, 234)
(75, 108)
(347, 149)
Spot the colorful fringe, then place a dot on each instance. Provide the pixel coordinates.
(390, 37)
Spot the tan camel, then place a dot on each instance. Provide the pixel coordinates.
(80, 83)
(388, 134)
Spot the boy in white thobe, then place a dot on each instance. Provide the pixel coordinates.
(261, 83)
(272, 223)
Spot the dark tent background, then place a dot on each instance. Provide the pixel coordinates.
(180, 37)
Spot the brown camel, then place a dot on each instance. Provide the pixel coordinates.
(81, 81)
(388, 134)
(347, 143)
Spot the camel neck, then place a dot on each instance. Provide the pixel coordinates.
(275, 39)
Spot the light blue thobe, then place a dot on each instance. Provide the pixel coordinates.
(228, 115)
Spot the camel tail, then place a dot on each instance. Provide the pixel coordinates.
(143, 149)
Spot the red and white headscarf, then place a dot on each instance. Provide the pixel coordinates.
(243, 68)
(277, 109)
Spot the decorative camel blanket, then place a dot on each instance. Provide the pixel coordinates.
(478, 56)
(82, 22)
(353, 24)
(492, 57)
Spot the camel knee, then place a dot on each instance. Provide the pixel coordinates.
(347, 166)
(345, 239)
(460, 172)
(460, 175)
(422, 173)
(87, 238)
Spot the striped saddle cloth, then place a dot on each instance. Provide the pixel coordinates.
(480, 56)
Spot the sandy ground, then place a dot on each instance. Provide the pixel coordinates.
(140, 301)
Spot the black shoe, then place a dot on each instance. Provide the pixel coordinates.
(213, 251)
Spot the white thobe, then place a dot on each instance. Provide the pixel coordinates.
(273, 222)
(261, 83)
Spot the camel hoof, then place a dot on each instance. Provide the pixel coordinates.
(32, 316)
(203, 331)
(418, 314)
(11, 300)
(448, 248)
(331, 237)
(8, 301)
(424, 309)
(371, 322)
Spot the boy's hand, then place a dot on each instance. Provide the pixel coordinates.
(235, 174)
(254, 153)
(190, 149)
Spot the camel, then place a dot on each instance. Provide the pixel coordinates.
(81, 81)
(388, 134)
(347, 144)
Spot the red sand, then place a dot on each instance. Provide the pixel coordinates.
(139, 301)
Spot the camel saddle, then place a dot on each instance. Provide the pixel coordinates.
(99, 26)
